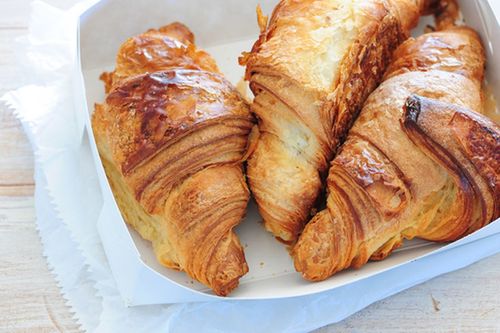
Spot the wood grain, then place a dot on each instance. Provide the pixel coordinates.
(16, 169)
(29, 298)
(30, 301)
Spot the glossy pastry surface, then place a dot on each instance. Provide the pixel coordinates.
(420, 161)
(172, 134)
(311, 69)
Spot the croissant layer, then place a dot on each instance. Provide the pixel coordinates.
(420, 161)
(311, 69)
(172, 134)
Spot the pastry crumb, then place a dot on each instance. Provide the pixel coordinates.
(435, 304)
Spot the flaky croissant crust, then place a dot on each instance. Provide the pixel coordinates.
(171, 46)
(420, 161)
(314, 64)
(150, 113)
(172, 135)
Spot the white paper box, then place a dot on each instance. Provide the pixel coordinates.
(225, 28)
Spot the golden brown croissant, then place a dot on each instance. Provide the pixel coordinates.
(170, 46)
(420, 161)
(172, 134)
(311, 69)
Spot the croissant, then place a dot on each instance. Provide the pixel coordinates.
(171, 46)
(420, 161)
(311, 69)
(172, 134)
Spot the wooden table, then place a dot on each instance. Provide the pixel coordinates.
(30, 301)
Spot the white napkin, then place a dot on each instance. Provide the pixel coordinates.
(68, 202)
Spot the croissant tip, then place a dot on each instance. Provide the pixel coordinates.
(310, 274)
(303, 265)
(225, 288)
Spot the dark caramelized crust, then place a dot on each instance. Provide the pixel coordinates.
(420, 161)
(480, 141)
(473, 139)
(171, 46)
(162, 107)
(172, 135)
(311, 69)
(425, 123)
(167, 125)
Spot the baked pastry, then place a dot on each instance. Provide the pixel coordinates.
(171, 46)
(172, 135)
(311, 69)
(420, 160)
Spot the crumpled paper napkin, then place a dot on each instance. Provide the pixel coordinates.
(68, 202)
